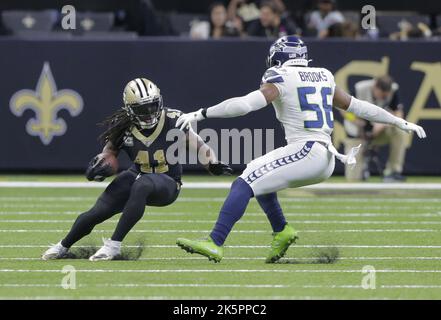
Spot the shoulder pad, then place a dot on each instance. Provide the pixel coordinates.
(172, 116)
(272, 76)
(173, 113)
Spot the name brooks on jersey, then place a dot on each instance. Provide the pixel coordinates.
(313, 76)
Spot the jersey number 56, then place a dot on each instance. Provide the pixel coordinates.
(323, 110)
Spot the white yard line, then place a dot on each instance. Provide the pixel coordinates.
(336, 202)
(226, 185)
(410, 286)
(99, 185)
(263, 219)
(360, 287)
(247, 258)
(234, 231)
(322, 199)
(13, 246)
(371, 230)
(151, 285)
(214, 214)
(78, 205)
(288, 258)
(219, 271)
(325, 199)
(217, 285)
(128, 297)
(132, 231)
(46, 199)
(365, 206)
(193, 285)
(6, 213)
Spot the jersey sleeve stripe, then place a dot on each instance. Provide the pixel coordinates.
(276, 79)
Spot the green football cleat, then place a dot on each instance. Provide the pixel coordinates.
(281, 242)
(204, 247)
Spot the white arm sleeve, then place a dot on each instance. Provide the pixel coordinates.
(238, 106)
(371, 112)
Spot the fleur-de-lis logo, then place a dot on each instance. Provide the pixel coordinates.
(46, 102)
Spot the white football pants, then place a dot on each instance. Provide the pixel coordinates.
(294, 165)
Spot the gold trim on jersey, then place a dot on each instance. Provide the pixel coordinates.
(151, 138)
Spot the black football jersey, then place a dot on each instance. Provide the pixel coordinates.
(148, 148)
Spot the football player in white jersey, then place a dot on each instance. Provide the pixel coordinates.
(303, 98)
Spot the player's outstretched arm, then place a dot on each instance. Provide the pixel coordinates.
(206, 155)
(233, 107)
(371, 112)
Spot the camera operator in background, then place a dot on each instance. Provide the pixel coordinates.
(383, 92)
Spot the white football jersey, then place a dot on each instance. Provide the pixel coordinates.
(304, 106)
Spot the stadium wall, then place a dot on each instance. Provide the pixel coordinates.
(54, 92)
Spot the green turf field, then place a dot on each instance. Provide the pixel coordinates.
(341, 231)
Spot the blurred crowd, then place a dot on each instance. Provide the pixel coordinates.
(271, 19)
(225, 18)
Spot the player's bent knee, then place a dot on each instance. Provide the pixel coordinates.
(101, 207)
(241, 186)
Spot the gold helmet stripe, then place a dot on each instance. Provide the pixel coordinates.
(143, 88)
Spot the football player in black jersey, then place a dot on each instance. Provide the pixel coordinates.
(140, 129)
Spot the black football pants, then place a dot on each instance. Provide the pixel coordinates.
(128, 193)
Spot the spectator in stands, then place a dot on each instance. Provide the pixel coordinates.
(407, 30)
(322, 19)
(248, 10)
(220, 26)
(244, 9)
(270, 23)
(383, 92)
(347, 29)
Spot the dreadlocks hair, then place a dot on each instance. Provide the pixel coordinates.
(116, 126)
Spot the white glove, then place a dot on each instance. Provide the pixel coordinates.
(184, 120)
(411, 127)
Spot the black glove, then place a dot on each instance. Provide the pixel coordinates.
(96, 171)
(220, 168)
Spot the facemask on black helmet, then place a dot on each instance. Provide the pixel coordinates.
(146, 115)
